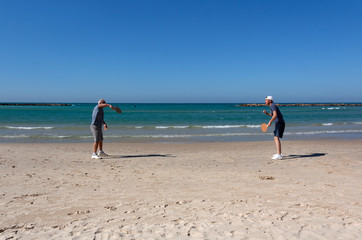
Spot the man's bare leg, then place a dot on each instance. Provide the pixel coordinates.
(278, 145)
(95, 147)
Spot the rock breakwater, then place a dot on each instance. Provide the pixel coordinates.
(302, 104)
(35, 104)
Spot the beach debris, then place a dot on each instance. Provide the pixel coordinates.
(267, 177)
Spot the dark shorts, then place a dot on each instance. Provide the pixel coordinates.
(279, 129)
(97, 133)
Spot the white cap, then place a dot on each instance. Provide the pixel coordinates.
(269, 97)
(100, 101)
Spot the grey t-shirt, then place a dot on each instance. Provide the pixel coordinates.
(273, 108)
(97, 116)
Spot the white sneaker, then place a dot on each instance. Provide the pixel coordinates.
(95, 156)
(278, 154)
(277, 157)
(102, 154)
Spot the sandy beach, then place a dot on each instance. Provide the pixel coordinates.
(182, 191)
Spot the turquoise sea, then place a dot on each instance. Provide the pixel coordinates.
(175, 123)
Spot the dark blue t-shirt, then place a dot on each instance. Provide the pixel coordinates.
(273, 108)
(97, 116)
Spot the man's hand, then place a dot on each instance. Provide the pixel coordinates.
(105, 127)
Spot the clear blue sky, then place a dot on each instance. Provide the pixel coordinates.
(180, 51)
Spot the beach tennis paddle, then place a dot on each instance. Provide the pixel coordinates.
(117, 109)
(264, 127)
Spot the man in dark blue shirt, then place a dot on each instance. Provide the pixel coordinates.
(276, 116)
(96, 128)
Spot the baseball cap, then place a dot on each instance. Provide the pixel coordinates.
(270, 98)
(101, 101)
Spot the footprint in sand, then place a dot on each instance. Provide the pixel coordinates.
(79, 212)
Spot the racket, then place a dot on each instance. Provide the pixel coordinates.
(117, 109)
(264, 127)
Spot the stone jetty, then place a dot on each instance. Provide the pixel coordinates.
(35, 104)
(302, 104)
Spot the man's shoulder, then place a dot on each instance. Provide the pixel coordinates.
(96, 108)
(273, 106)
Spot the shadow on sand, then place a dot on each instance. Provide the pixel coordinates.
(305, 156)
(140, 156)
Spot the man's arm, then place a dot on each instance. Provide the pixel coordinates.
(105, 125)
(103, 105)
(267, 113)
(273, 118)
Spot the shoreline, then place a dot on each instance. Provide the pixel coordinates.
(109, 140)
(181, 190)
(156, 141)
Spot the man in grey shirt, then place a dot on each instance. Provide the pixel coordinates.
(96, 128)
(276, 116)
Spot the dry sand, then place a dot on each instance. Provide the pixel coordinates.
(182, 191)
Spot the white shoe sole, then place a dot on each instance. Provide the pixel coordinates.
(277, 155)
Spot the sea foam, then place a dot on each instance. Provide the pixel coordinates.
(28, 128)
